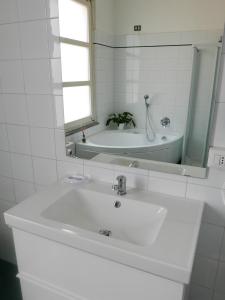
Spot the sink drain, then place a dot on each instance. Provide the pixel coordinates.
(105, 232)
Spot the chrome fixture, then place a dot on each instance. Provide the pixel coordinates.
(149, 130)
(121, 186)
(105, 232)
(165, 122)
(133, 164)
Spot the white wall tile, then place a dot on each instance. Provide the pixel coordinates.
(56, 76)
(10, 46)
(45, 172)
(204, 272)
(22, 167)
(215, 178)
(34, 39)
(210, 240)
(75, 167)
(53, 39)
(37, 76)
(41, 111)
(43, 142)
(19, 139)
(161, 185)
(5, 164)
(11, 76)
(52, 8)
(15, 109)
(31, 9)
(8, 11)
(60, 144)
(219, 137)
(97, 173)
(23, 190)
(3, 138)
(220, 286)
(2, 111)
(214, 211)
(6, 188)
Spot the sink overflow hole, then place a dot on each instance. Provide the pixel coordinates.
(105, 232)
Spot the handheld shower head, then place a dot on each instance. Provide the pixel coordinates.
(147, 100)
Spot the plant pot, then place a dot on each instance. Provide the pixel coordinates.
(121, 126)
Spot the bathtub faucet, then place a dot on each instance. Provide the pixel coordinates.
(121, 186)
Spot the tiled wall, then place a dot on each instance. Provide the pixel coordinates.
(32, 151)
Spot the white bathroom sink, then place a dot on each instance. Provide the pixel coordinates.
(114, 217)
(151, 232)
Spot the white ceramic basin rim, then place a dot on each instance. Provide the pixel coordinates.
(133, 221)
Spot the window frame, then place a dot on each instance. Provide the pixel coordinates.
(76, 124)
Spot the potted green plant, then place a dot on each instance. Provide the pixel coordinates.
(122, 120)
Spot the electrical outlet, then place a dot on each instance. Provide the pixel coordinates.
(216, 158)
(137, 27)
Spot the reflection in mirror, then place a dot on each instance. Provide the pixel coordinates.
(139, 80)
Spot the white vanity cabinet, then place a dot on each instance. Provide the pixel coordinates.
(62, 254)
(49, 270)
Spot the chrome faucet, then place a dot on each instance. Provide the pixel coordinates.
(121, 186)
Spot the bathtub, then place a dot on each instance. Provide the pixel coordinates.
(165, 148)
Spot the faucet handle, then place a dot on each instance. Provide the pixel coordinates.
(115, 187)
(121, 178)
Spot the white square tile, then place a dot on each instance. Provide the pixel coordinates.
(10, 46)
(97, 173)
(219, 137)
(170, 187)
(52, 8)
(34, 39)
(220, 286)
(215, 178)
(3, 138)
(59, 112)
(37, 76)
(11, 76)
(53, 38)
(22, 167)
(210, 240)
(41, 111)
(60, 144)
(56, 75)
(204, 272)
(19, 139)
(214, 211)
(75, 167)
(200, 293)
(43, 142)
(31, 9)
(5, 164)
(23, 190)
(44, 171)
(15, 109)
(2, 110)
(6, 188)
(8, 11)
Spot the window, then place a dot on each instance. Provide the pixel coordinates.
(76, 59)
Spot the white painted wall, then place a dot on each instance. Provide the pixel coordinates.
(105, 15)
(32, 150)
(168, 15)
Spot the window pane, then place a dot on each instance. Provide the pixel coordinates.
(75, 63)
(73, 19)
(77, 104)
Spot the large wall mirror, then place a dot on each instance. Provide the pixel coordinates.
(139, 80)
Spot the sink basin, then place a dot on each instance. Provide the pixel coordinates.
(115, 217)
